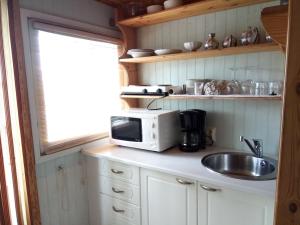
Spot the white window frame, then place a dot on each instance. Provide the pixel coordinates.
(26, 17)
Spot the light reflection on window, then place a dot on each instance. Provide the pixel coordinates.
(80, 85)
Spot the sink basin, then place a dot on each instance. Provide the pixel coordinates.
(241, 165)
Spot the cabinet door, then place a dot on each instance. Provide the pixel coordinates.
(167, 200)
(227, 207)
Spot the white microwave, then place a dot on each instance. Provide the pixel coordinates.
(154, 130)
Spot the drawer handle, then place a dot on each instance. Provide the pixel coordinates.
(206, 188)
(117, 171)
(116, 190)
(118, 210)
(184, 182)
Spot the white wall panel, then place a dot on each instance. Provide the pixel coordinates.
(232, 118)
(63, 191)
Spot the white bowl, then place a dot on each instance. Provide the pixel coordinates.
(172, 3)
(154, 8)
(192, 45)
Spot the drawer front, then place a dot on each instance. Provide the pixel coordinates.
(113, 169)
(115, 188)
(105, 210)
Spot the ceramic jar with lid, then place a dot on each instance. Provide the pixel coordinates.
(250, 36)
(211, 42)
(229, 41)
(134, 8)
(284, 2)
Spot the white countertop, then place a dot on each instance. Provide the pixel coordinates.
(178, 163)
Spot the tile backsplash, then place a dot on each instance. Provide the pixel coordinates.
(232, 118)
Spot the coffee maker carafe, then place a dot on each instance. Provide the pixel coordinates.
(192, 130)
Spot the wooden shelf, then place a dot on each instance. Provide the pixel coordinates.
(208, 97)
(275, 21)
(205, 54)
(194, 9)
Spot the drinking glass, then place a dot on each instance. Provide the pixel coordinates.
(275, 88)
(247, 87)
(261, 88)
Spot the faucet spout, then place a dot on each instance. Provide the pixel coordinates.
(256, 148)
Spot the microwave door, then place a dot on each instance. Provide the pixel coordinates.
(126, 128)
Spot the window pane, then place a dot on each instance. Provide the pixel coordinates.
(80, 85)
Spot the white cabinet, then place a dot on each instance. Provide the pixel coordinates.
(167, 199)
(226, 207)
(121, 194)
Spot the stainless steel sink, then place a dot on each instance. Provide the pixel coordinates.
(241, 165)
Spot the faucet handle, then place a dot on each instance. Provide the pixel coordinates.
(242, 138)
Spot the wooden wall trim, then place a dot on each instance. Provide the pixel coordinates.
(4, 208)
(24, 113)
(128, 72)
(288, 183)
(6, 106)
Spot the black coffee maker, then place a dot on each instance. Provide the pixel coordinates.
(192, 130)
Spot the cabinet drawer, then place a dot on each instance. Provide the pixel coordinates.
(113, 169)
(115, 188)
(105, 210)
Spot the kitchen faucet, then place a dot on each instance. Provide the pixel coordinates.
(256, 148)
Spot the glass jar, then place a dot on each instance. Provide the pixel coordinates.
(261, 88)
(211, 42)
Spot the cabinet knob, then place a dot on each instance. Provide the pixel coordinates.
(118, 210)
(116, 190)
(206, 188)
(117, 171)
(184, 182)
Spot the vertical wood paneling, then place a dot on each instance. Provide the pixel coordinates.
(232, 118)
(63, 191)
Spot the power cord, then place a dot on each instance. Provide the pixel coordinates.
(153, 100)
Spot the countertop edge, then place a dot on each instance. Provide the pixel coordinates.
(229, 183)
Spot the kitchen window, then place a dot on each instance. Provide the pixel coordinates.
(76, 85)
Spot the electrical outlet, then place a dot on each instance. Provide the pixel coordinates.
(212, 133)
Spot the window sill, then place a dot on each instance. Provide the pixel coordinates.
(72, 150)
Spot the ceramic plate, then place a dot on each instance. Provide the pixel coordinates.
(167, 51)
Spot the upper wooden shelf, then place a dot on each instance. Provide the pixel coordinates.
(194, 9)
(122, 3)
(206, 53)
(275, 22)
(208, 97)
